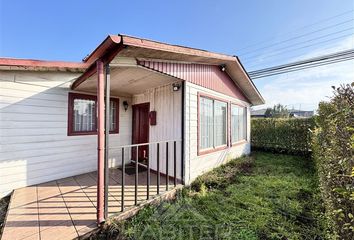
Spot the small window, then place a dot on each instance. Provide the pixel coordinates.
(82, 119)
(213, 123)
(238, 123)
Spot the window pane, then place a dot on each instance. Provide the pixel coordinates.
(244, 123)
(84, 115)
(239, 123)
(220, 123)
(234, 123)
(206, 123)
(113, 116)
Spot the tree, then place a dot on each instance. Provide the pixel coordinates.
(268, 112)
(278, 111)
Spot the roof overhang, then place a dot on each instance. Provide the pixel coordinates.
(143, 49)
(40, 65)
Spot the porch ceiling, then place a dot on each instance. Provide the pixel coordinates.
(128, 80)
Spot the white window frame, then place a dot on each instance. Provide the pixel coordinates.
(214, 147)
(245, 124)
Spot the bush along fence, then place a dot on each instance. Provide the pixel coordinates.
(333, 144)
(286, 135)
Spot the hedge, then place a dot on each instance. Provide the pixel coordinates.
(287, 135)
(333, 144)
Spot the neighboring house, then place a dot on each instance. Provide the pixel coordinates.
(301, 113)
(261, 113)
(52, 113)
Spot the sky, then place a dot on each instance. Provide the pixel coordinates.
(261, 33)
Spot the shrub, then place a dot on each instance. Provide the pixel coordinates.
(282, 135)
(333, 144)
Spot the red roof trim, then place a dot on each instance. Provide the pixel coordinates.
(110, 42)
(151, 44)
(41, 63)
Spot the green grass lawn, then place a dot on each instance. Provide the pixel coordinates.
(264, 196)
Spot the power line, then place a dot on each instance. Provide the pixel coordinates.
(295, 56)
(302, 68)
(304, 64)
(301, 65)
(309, 40)
(323, 57)
(300, 36)
(294, 30)
(306, 46)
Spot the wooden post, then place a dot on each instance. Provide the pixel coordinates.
(100, 142)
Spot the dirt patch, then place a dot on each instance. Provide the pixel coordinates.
(224, 175)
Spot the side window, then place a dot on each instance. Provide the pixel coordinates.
(82, 111)
(238, 123)
(213, 123)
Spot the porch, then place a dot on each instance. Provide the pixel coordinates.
(66, 208)
(137, 163)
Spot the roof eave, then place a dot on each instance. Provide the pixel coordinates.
(107, 44)
(41, 65)
(112, 41)
(260, 99)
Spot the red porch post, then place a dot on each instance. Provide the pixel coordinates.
(100, 142)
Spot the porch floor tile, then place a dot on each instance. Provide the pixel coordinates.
(66, 208)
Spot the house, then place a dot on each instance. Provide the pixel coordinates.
(173, 110)
(261, 113)
(301, 113)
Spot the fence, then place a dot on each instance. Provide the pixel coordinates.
(282, 135)
(163, 158)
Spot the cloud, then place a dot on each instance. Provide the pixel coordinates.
(306, 88)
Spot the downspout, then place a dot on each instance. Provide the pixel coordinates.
(100, 142)
(106, 146)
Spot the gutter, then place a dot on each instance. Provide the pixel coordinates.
(106, 51)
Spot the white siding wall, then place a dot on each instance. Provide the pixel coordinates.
(167, 105)
(34, 146)
(196, 165)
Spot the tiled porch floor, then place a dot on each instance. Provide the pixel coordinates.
(66, 208)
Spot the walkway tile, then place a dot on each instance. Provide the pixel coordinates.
(21, 222)
(60, 232)
(66, 208)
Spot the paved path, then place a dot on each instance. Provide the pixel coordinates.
(66, 208)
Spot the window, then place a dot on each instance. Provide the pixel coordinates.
(213, 120)
(238, 123)
(82, 119)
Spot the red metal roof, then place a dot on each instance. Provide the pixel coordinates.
(112, 40)
(30, 63)
(143, 48)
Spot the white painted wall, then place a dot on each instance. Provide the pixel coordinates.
(167, 105)
(34, 146)
(196, 165)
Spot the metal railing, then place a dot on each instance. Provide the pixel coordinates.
(170, 147)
